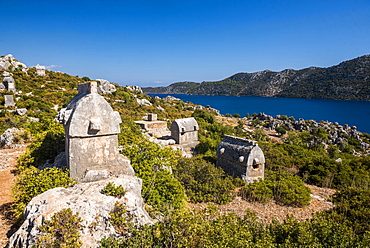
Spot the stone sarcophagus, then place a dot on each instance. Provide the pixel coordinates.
(184, 130)
(241, 158)
(92, 128)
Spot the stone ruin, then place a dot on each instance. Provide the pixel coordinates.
(8, 101)
(184, 130)
(183, 134)
(92, 128)
(241, 158)
(154, 127)
(8, 82)
(40, 70)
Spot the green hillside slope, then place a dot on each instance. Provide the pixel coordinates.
(350, 80)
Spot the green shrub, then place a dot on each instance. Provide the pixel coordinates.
(290, 190)
(112, 190)
(46, 146)
(204, 182)
(120, 219)
(352, 206)
(283, 187)
(204, 116)
(32, 182)
(160, 188)
(206, 228)
(281, 130)
(61, 231)
(259, 191)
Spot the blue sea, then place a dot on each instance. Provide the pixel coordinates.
(353, 113)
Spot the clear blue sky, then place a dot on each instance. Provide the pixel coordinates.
(154, 43)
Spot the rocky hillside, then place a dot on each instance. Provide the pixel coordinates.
(350, 80)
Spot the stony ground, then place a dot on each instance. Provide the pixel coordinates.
(8, 160)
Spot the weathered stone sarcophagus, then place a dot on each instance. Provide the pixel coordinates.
(241, 158)
(184, 130)
(92, 128)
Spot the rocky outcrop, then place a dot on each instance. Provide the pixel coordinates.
(89, 203)
(143, 102)
(134, 88)
(60, 161)
(10, 138)
(9, 61)
(330, 133)
(105, 87)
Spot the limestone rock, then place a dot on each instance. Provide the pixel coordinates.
(134, 88)
(105, 86)
(60, 162)
(9, 138)
(9, 60)
(21, 111)
(91, 205)
(171, 98)
(143, 102)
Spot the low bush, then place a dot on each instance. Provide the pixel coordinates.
(46, 146)
(61, 231)
(120, 219)
(152, 163)
(203, 181)
(283, 187)
(32, 182)
(259, 191)
(112, 190)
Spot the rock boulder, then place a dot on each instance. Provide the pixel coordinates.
(91, 205)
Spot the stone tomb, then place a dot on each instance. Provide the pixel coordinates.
(92, 128)
(40, 70)
(241, 158)
(154, 127)
(8, 100)
(8, 81)
(184, 130)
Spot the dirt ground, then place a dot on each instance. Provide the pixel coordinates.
(8, 161)
(268, 211)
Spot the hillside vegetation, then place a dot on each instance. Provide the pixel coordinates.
(289, 164)
(350, 80)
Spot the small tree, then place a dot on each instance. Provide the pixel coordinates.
(280, 130)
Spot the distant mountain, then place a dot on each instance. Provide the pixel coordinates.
(350, 80)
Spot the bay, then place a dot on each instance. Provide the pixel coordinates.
(353, 113)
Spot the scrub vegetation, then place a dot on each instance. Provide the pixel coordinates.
(289, 164)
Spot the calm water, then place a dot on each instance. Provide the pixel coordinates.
(353, 113)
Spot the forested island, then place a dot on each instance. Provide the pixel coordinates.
(349, 80)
